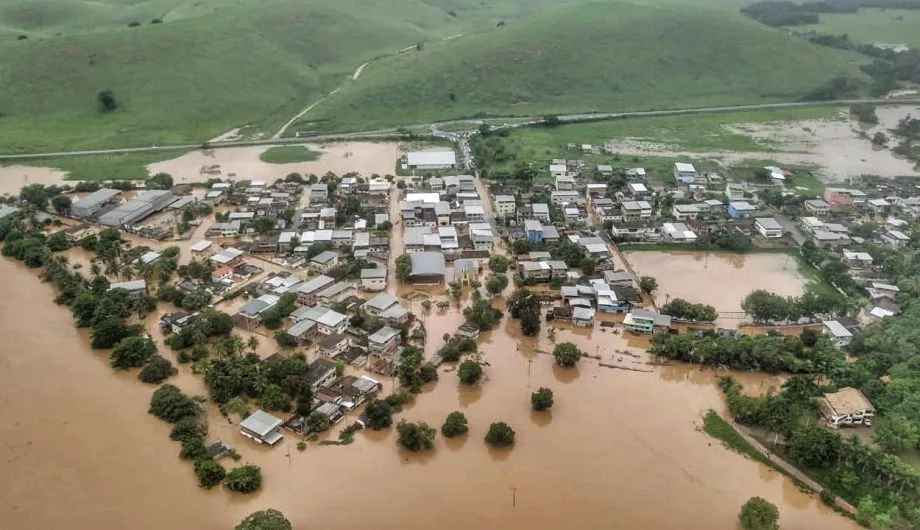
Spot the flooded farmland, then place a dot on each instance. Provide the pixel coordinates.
(721, 280)
(81, 452)
(840, 147)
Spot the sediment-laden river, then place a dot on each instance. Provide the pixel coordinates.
(621, 449)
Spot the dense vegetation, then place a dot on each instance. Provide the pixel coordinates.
(415, 437)
(542, 399)
(759, 514)
(567, 354)
(455, 425)
(500, 435)
(772, 353)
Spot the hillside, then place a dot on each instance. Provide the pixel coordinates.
(209, 67)
(587, 57)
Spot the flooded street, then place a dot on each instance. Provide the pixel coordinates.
(81, 452)
(238, 163)
(721, 280)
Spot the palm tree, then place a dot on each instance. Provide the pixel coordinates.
(253, 343)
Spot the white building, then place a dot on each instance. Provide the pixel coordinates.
(684, 173)
(768, 227)
(374, 279)
(847, 406)
(504, 205)
(837, 333)
(431, 160)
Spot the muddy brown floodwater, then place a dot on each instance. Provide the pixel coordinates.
(238, 163)
(721, 280)
(620, 449)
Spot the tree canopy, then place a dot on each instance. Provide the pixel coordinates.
(500, 435)
(415, 437)
(759, 514)
(244, 479)
(542, 399)
(566, 354)
(455, 425)
(470, 372)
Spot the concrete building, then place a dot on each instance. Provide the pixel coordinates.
(740, 209)
(642, 321)
(817, 207)
(307, 291)
(632, 210)
(684, 173)
(504, 205)
(261, 427)
(431, 160)
(374, 279)
(839, 335)
(92, 203)
(847, 406)
(383, 342)
(768, 227)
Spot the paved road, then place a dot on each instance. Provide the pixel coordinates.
(455, 136)
(790, 226)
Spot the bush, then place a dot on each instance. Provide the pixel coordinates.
(209, 472)
(170, 404)
(542, 399)
(244, 479)
(470, 372)
(415, 437)
(156, 370)
(455, 425)
(500, 435)
(301, 446)
(265, 520)
(567, 354)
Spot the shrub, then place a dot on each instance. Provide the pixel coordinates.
(265, 520)
(759, 514)
(500, 435)
(415, 437)
(455, 425)
(470, 372)
(542, 399)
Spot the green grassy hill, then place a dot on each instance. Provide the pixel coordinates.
(216, 65)
(199, 74)
(600, 56)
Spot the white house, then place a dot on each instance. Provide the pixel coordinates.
(684, 173)
(847, 406)
(374, 279)
(768, 227)
(837, 333)
(261, 427)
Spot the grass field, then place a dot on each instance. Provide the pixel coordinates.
(210, 67)
(610, 56)
(289, 154)
(127, 166)
(891, 26)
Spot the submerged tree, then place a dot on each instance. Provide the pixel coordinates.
(269, 519)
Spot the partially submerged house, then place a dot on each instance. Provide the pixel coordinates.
(643, 321)
(261, 427)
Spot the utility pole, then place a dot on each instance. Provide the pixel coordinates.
(513, 497)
